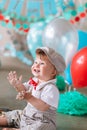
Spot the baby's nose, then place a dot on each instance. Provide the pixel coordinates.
(38, 64)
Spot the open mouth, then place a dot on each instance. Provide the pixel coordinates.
(37, 71)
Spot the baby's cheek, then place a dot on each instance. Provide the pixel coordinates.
(32, 68)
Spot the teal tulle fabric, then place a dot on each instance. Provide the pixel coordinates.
(73, 103)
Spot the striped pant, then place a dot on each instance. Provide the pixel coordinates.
(19, 119)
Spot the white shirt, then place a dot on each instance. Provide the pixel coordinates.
(46, 91)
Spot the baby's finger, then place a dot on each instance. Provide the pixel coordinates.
(14, 74)
(9, 75)
(20, 78)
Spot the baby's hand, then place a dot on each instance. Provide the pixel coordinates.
(20, 95)
(23, 95)
(15, 81)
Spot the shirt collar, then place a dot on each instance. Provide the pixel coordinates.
(41, 85)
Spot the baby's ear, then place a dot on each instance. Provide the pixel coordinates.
(54, 73)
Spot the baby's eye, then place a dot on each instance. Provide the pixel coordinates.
(42, 63)
(35, 62)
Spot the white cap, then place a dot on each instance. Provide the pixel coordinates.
(54, 57)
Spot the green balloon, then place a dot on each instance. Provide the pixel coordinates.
(60, 82)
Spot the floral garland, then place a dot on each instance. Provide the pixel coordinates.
(23, 26)
(75, 15)
(20, 14)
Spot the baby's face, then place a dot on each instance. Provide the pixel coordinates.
(43, 69)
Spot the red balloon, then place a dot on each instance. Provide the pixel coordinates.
(79, 68)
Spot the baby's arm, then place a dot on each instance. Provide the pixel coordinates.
(38, 103)
(16, 81)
